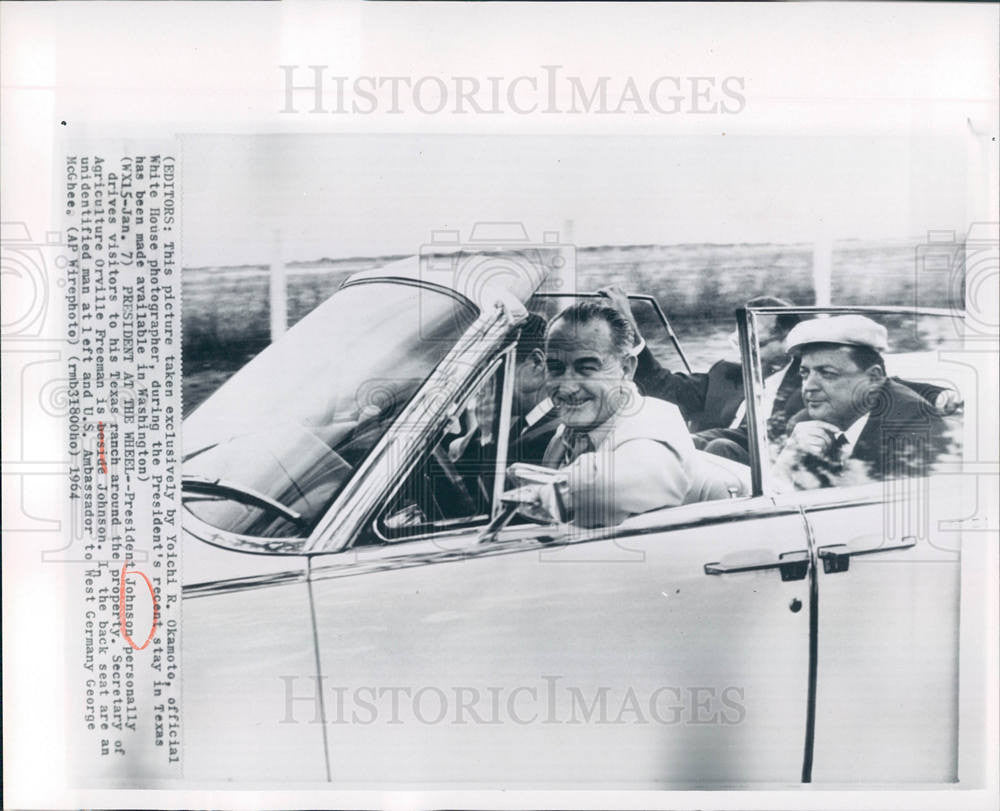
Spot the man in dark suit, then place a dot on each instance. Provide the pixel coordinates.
(721, 428)
(533, 420)
(687, 391)
(856, 423)
(713, 402)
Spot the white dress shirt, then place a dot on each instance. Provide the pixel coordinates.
(851, 435)
(539, 411)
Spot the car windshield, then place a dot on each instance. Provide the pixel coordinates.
(274, 445)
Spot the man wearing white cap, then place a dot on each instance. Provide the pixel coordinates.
(855, 418)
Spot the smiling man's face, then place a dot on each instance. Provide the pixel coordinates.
(585, 375)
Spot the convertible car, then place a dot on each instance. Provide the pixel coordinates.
(355, 616)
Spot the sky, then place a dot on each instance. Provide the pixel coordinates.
(348, 195)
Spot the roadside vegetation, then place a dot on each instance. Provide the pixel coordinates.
(226, 311)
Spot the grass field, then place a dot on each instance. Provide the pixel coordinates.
(226, 315)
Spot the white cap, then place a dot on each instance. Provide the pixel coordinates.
(850, 330)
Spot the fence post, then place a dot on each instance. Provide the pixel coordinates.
(822, 269)
(278, 290)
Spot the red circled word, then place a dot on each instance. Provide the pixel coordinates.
(121, 607)
(100, 448)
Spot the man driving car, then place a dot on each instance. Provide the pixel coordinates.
(623, 453)
(532, 420)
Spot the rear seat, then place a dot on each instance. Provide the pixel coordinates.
(713, 477)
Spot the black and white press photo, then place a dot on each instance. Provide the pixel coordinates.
(655, 497)
(500, 405)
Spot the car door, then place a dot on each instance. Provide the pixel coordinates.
(246, 624)
(888, 630)
(242, 643)
(888, 584)
(672, 650)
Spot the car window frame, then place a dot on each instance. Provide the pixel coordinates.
(753, 381)
(753, 396)
(504, 362)
(352, 512)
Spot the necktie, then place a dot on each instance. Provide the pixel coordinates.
(837, 448)
(575, 443)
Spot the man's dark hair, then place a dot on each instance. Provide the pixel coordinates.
(785, 321)
(532, 336)
(864, 357)
(586, 310)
